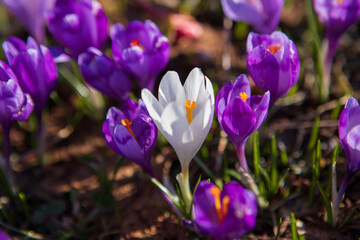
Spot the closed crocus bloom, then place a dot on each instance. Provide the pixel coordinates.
(102, 73)
(184, 115)
(78, 24)
(34, 67)
(141, 49)
(263, 15)
(131, 133)
(14, 106)
(349, 134)
(240, 114)
(273, 63)
(31, 14)
(224, 214)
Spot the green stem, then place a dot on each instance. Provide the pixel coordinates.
(184, 183)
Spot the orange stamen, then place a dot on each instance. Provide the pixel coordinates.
(273, 49)
(189, 109)
(221, 207)
(136, 42)
(339, 1)
(243, 96)
(126, 123)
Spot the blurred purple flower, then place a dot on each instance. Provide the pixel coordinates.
(4, 236)
(273, 63)
(226, 214)
(34, 67)
(141, 49)
(14, 106)
(102, 73)
(131, 133)
(78, 24)
(31, 14)
(240, 114)
(337, 16)
(263, 15)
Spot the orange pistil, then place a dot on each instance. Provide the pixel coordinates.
(339, 1)
(136, 42)
(243, 96)
(273, 49)
(189, 109)
(126, 123)
(221, 207)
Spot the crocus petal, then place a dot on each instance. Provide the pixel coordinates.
(25, 110)
(170, 89)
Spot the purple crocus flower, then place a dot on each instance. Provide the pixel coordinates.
(337, 16)
(34, 67)
(78, 24)
(263, 15)
(240, 114)
(31, 14)
(14, 106)
(36, 71)
(273, 63)
(131, 133)
(226, 214)
(141, 49)
(4, 236)
(349, 133)
(102, 73)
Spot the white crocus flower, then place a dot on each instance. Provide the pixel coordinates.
(184, 115)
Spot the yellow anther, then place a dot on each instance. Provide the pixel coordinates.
(221, 207)
(243, 96)
(189, 109)
(273, 49)
(136, 42)
(126, 123)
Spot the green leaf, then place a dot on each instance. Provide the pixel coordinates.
(256, 155)
(327, 202)
(294, 233)
(314, 136)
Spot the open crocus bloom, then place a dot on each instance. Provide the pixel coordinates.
(226, 214)
(273, 63)
(240, 114)
(183, 114)
(141, 49)
(263, 15)
(131, 133)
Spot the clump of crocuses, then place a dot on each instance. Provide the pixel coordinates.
(273, 63)
(240, 114)
(224, 214)
(78, 25)
(131, 133)
(102, 73)
(141, 49)
(337, 16)
(263, 15)
(36, 72)
(184, 115)
(349, 134)
(14, 106)
(31, 14)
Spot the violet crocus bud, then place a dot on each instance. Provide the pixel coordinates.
(31, 14)
(240, 114)
(263, 15)
(78, 24)
(131, 133)
(34, 67)
(102, 73)
(14, 106)
(349, 134)
(141, 49)
(224, 214)
(273, 63)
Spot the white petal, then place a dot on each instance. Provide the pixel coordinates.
(170, 89)
(152, 105)
(193, 84)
